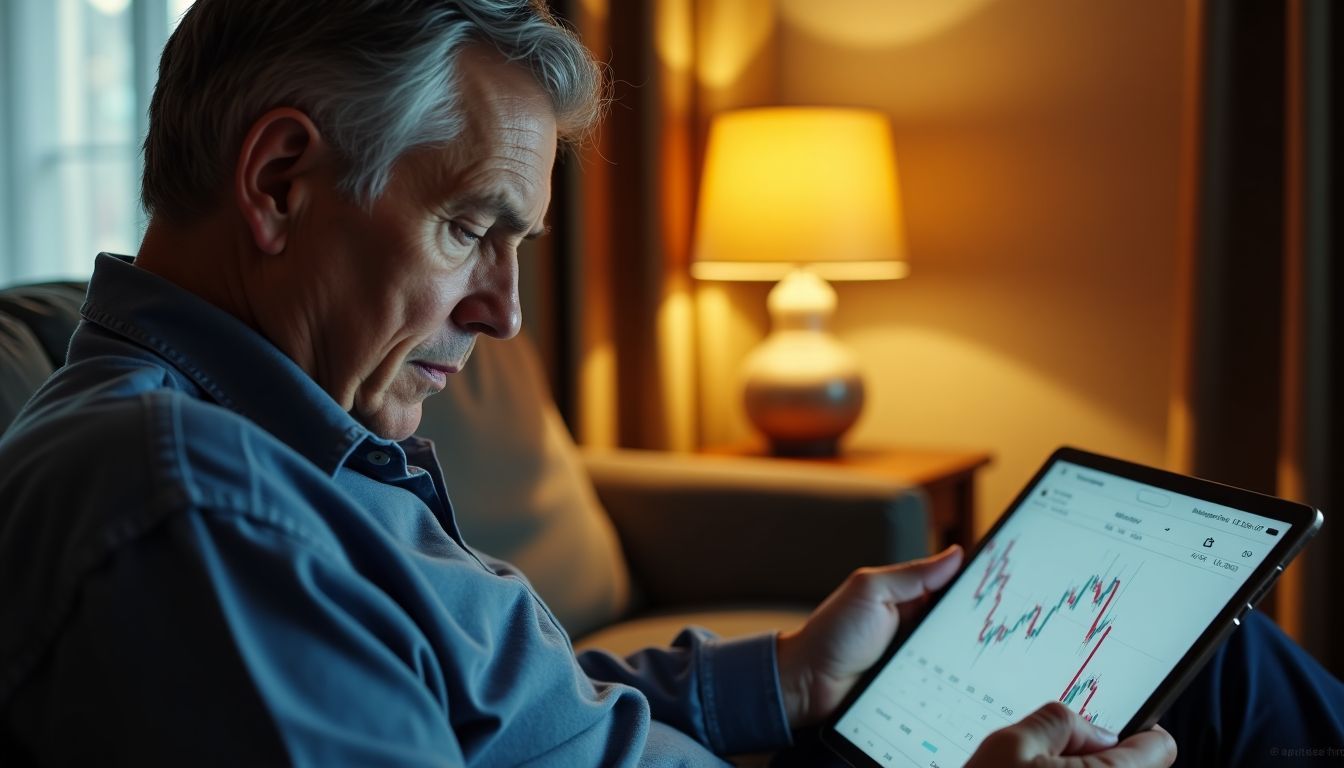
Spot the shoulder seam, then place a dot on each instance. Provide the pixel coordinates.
(178, 485)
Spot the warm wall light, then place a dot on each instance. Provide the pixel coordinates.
(886, 24)
(800, 195)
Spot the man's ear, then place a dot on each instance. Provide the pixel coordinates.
(274, 173)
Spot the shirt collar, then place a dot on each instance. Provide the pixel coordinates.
(233, 364)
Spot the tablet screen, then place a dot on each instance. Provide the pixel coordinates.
(1089, 594)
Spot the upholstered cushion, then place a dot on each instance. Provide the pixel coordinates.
(23, 367)
(659, 630)
(49, 310)
(35, 326)
(518, 488)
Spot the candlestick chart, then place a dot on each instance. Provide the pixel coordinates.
(1092, 597)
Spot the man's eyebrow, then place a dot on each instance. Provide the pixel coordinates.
(506, 216)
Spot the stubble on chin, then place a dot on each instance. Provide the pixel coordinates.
(452, 351)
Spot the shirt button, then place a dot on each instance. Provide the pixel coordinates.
(379, 458)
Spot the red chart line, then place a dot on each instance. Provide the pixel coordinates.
(1088, 700)
(1087, 661)
(1115, 588)
(980, 589)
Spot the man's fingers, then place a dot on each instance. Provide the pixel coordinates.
(910, 581)
(1153, 748)
(1054, 730)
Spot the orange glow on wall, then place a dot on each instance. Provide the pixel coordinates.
(733, 35)
(889, 23)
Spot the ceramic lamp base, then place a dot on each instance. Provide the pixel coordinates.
(802, 387)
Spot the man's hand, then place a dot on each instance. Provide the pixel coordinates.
(1056, 737)
(821, 661)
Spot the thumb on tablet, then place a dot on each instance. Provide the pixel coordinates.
(1054, 729)
(910, 584)
(916, 579)
(1051, 731)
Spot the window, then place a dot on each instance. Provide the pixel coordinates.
(77, 76)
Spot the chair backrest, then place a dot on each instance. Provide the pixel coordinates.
(35, 326)
(518, 487)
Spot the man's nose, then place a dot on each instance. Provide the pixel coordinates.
(492, 307)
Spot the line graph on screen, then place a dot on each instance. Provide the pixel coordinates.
(1089, 601)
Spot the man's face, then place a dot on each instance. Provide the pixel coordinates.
(390, 302)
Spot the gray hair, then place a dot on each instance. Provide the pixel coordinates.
(378, 78)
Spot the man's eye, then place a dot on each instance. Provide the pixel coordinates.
(463, 235)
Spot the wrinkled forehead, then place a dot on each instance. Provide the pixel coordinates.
(506, 146)
(502, 99)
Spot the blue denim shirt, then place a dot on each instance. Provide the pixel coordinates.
(204, 559)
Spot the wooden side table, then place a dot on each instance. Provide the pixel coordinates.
(947, 476)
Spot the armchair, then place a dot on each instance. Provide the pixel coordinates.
(626, 547)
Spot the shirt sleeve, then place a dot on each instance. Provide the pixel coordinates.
(724, 693)
(190, 645)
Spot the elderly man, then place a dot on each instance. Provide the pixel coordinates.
(219, 541)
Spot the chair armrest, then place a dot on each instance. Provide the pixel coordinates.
(706, 529)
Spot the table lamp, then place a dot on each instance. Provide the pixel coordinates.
(800, 195)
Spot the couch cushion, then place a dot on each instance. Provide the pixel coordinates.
(23, 367)
(518, 488)
(658, 630)
(51, 312)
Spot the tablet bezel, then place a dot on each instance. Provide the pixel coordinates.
(1304, 522)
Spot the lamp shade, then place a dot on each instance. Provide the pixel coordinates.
(786, 187)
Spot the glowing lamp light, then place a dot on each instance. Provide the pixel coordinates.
(800, 195)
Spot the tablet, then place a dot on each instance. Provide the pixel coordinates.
(1105, 586)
